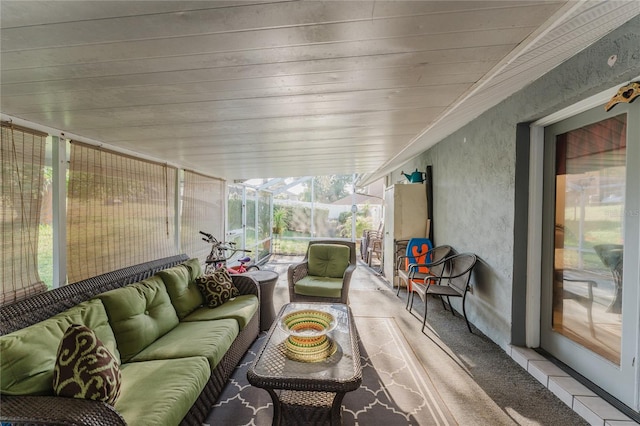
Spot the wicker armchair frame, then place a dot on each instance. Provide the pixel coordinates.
(298, 271)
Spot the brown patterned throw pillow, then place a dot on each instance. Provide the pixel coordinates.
(85, 368)
(217, 288)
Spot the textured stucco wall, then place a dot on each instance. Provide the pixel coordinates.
(474, 170)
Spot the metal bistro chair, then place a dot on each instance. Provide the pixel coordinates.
(421, 273)
(453, 282)
(412, 269)
(416, 251)
(435, 264)
(611, 256)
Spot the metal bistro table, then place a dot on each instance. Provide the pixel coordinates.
(309, 392)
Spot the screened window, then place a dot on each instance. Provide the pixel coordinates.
(120, 211)
(235, 209)
(250, 217)
(264, 224)
(23, 156)
(202, 210)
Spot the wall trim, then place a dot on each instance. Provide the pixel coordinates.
(581, 106)
(534, 236)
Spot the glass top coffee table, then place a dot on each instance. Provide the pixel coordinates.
(306, 392)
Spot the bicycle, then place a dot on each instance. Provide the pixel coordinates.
(221, 252)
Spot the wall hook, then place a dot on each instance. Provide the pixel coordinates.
(626, 94)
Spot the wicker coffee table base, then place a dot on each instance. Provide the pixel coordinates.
(309, 393)
(306, 408)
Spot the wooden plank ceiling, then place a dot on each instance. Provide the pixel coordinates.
(263, 89)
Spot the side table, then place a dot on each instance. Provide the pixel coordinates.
(267, 281)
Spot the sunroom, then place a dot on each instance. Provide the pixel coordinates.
(127, 127)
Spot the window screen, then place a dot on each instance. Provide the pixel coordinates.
(120, 211)
(23, 155)
(202, 210)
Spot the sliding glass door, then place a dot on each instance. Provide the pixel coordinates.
(590, 247)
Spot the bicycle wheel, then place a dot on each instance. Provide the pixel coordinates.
(253, 268)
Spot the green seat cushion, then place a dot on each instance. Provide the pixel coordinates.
(139, 314)
(28, 356)
(328, 260)
(210, 339)
(182, 289)
(319, 286)
(242, 309)
(160, 393)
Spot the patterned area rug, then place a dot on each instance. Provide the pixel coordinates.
(395, 390)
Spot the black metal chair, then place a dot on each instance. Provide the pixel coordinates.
(433, 264)
(416, 250)
(453, 282)
(611, 256)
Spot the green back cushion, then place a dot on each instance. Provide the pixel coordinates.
(28, 356)
(85, 368)
(139, 314)
(182, 289)
(210, 339)
(241, 308)
(195, 268)
(328, 260)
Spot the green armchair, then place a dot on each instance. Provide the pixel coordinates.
(324, 274)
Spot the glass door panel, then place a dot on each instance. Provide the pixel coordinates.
(591, 247)
(588, 261)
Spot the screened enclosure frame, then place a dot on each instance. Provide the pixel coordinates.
(106, 179)
(96, 183)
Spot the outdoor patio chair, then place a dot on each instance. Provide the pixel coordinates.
(611, 256)
(367, 236)
(324, 274)
(453, 282)
(375, 250)
(399, 250)
(420, 273)
(416, 252)
(414, 268)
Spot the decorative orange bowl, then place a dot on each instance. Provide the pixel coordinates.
(308, 323)
(308, 340)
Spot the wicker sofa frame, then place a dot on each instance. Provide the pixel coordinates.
(50, 410)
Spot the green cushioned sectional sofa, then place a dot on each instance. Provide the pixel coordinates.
(175, 354)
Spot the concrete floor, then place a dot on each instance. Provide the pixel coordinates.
(480, 382)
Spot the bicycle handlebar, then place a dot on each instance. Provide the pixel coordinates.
(220, 244)
(232, 248)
